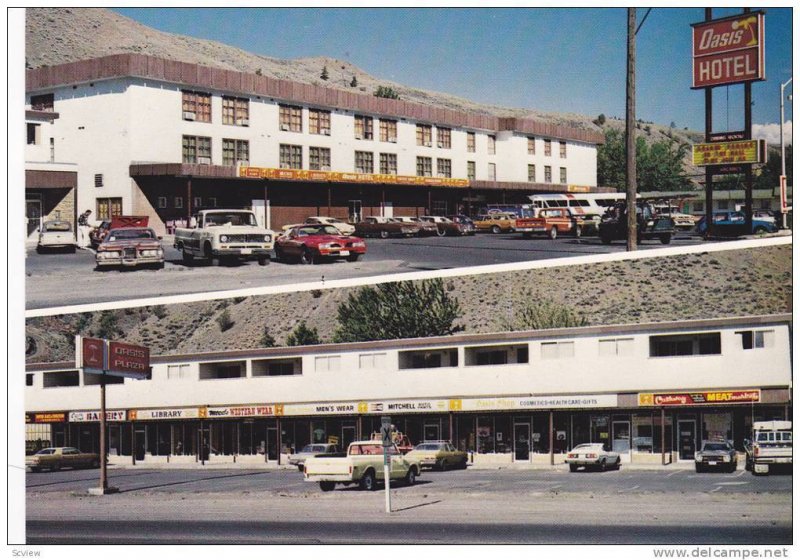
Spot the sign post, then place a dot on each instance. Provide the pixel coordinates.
(386, 439)
(103, 357)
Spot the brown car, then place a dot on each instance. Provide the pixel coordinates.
(425, 228)
(378, 226)
(130, 247)
(56, 458)
(495, 222)
(446, 226)
(551, 222)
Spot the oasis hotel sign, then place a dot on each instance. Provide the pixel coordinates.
(728, 50)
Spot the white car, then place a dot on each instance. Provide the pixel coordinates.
(344, 227)
(56, 234)
(592, 455)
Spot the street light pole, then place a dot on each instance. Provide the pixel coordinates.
(783, 150)
(630, 131)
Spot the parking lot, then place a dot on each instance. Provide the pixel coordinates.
(55, 279)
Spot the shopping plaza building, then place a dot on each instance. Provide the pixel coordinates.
(156, 137)
(652, 392)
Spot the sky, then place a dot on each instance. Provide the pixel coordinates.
(549, 59)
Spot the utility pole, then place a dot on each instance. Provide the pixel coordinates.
(630, 123)
(783, 153)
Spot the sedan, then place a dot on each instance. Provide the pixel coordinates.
(715, 455)
(130, 247)
(425, 228)
(343, 227)
(446, 226)
(439, 455)
(465, 221)
(56, 458)
(592, 455)
(733, 223)
(310, 244)
(56, 234)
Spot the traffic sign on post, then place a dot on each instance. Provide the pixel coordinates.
(386, 431)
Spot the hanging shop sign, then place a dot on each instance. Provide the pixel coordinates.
(168, 413)
(700, 398)
(342, 177)
(722, 153)
(240, 411)
(728, 50)
(45, 417)
(94, 416)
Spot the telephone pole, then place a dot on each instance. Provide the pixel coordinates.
(630, 137)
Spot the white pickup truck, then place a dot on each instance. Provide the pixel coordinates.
(363, 465)
(225, 235)
(771, 445)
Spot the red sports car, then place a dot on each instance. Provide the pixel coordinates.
(311, 243)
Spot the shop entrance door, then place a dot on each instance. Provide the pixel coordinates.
(33, 213)
(432, 432)
(686, 440)
(522, 439)
(348, 436)
(140, 439)
(621, 436)
(354, 210)
(272, 444)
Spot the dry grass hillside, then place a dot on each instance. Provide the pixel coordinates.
(720, 284)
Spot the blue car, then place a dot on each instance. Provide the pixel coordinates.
(731, 223)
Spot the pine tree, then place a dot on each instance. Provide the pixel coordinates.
(354, 82)
(302, 335)
(324, 75)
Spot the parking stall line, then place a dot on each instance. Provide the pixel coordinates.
(673, 473)
(628, 489)
(717, 489)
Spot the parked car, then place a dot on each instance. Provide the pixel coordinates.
(496, 222)
(97, 234)
(683, 222)
(378, 226)
(465, 221)
(445, 226)
(130, 247)
(426, 229)
(56, 234)
(56, 458)
(551, 222)
(732, 223)
(715, 455)
(311, 450)
(770, 446)
(439, 455)
(227, 235)
(310, 244)
(592, 455)
(614, 225)
(342, 226)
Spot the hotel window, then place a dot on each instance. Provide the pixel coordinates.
(424, 134)
(319, 122)
(197, 149)
(388, 130)
(235, 151)
(562, 149)
(291, 118)
(107, 208)
(548, 174)
(29, 380)
(364, 162)
(389, 164)
(557, 350)
(492, 140)
(685, 345)
(757, 339)
(291, 157)
(179, 371)
(196, 106)
(470, 141)
(327, 363)
(492, 172)
(562, 175)
(319, 159)
(212, 202)
(443, 136)
(178, 202)
(235, 111)
(197, 202)
(531, 173)
(424, 167)
(444, 168)
(616, 347)
(471, 170)
(162, 201)
(34, 134)
(531, 146)
(371, 361)
(548, 147)
(42, 102)
(363, 127)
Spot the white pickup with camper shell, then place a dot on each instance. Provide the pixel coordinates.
(225, 235)
(771, 446)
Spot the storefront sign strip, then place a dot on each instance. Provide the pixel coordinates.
(94, 416)
(694, 398)
(344, 177)
(536, 403)
(168, 414)
(240, 411)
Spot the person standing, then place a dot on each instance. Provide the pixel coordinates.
(83, 229)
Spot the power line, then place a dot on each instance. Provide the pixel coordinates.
(647, 13)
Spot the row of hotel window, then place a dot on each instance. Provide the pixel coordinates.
(197, 149)
(660, 346)
(236, 111)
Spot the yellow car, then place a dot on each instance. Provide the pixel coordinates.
(439, 455)
(55, 458)
(496, 222)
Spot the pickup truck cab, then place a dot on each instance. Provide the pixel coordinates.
(771, 445)
(225, 235)
(363, 465)
(551, 222)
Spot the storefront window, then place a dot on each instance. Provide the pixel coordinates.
(465, 433)
(599, 429)
(540, 428)
(561, 429)
(717, 426)
(503, 434)
(580, 429)
(485, 435)
(642, 433)
(319, 431)
(657, 429)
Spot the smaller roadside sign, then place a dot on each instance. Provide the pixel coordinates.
(724, 153)
(386, 431)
